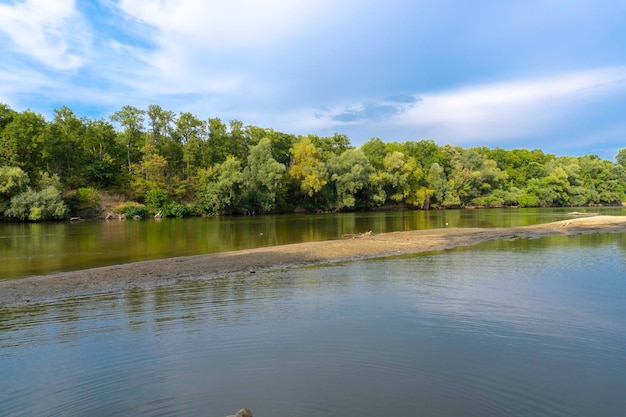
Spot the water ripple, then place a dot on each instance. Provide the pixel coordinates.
(474, 333)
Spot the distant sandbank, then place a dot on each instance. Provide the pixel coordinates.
(365, 246)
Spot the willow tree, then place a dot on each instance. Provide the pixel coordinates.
(350, 173)
(307, 168)
(220, 188)
(13, 181)
(262, 178)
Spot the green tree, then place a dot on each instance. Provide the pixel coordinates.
(425, 152)
(104, 159)
(375, 150)
(485, 179)
(435, 181)
(571, 191)
(350, 173)
(399, 174)
(336, 144)
(237, 144)
(13, 181)
(33, 205)
(551, 190)
(131, 120)
(218, 141)
(161, 123)
(66, 143)
(192, 134)
(23, 143)
(167, 143)
(621, 157)
(220, 189)
(150, 172)
(520, 165)
(307, 168)
(156, 199)
(281, 145)
(457, 167)
(6, 115)
(602, 180)
(262, 178)
(84, 202)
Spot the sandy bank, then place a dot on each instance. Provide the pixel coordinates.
(171, 271)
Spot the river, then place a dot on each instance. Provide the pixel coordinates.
(28, 249)
(505, 328)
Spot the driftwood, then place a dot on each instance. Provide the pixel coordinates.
(112, 215)
(158, 215)
(244, 412)
(357, 235)
(578, 213)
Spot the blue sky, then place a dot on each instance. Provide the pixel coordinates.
(548, 74)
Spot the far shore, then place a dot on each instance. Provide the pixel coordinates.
(365, 246)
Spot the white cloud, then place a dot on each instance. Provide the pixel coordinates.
(318, 66)
(214, 47)
(49, 31)
(245, 23)
(503, 110)
(177, 71)
(565, 109)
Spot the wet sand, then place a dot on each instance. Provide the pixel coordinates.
(171, 271)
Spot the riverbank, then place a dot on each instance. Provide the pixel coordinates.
(365, 246)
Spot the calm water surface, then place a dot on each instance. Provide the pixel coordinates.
(43, 248)
(523, 328)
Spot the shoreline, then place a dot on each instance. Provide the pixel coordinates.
(170, 271)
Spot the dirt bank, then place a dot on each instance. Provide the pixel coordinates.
(171, 271)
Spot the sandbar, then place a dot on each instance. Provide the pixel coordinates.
(363, 246)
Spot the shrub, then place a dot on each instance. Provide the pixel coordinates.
(178, 210)
(499, 198)
(488, 201)
(156, 198)
(528, 200)
(37, 205)
(133, 209)
(13, 181)
(46, 180)
(84, 202)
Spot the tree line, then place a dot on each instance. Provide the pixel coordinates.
(178, 165)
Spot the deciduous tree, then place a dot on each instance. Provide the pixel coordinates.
(262, 178)
(131, 120)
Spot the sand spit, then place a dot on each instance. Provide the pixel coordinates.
(170, 271)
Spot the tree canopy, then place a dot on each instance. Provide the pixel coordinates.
(181, 164)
